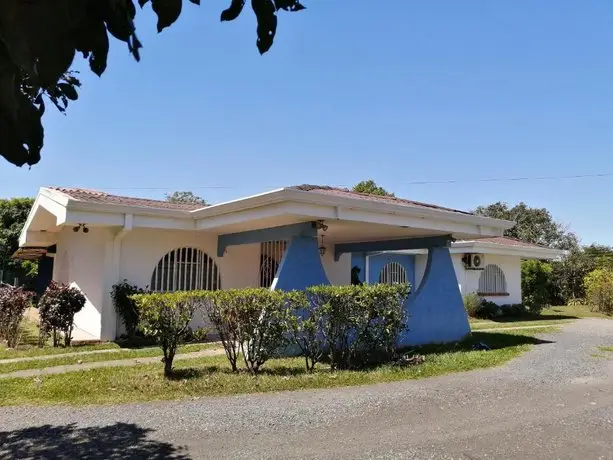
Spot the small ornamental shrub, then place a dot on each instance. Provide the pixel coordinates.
(125, 306)
(536, 285)
(599, 290)
(358, 324)
(305, 325)
(14, 301)
(472, 304)
(515, 310)
(166, 318)
(251, 321)
(57, 308)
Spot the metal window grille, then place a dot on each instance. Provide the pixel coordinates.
(393, 273)
(492, 280)
(186, 269)
(271, 253)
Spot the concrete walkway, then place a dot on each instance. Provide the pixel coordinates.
(98, 364)
(59, 355)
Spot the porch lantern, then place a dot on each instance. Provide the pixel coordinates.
(322, 248)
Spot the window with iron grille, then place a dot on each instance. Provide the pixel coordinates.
(271, 253)
(185, 269)
(393, 273)
(492, 281)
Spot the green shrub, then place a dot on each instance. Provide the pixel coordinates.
(166, 317)
(14, 301)
(251, 321)
(121, 294)
(472, 304)
(358, 322)
(599, 290)
(536, 285)
(304, 325)
(57, 308)
(514, 310)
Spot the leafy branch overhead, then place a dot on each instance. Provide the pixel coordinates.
(39, 40)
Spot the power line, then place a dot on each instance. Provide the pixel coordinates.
(424, 182)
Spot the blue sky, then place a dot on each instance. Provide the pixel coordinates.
(397, 91)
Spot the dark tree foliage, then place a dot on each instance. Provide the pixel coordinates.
(533, 225)
(40, 38)
(370, 187)
(185, 198)
(13, 215)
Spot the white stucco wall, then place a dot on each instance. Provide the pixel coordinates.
(510, 265)
(81, 261)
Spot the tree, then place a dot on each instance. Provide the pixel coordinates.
(185, 198)
(39, 40)
(13, 215)
(533, 225)
(371, 188)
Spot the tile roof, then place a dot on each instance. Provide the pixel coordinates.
(94, 196)
(327, 190)
(507, 241)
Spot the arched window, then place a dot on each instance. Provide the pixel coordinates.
(185, 269)
(492, 281)
(271, 253)
(393, 273)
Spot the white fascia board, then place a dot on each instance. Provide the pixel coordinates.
(47, 200)
(242, 204)
(38, 239)
(75, 205)
(524, 252)
(416, 222)
(399, 209)
(308, 212)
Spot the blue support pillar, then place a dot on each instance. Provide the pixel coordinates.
(300, 266)
(436, 309)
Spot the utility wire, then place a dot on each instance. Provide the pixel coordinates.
(424, 182)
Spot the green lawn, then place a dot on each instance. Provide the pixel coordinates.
(211, 376)
(79, 359)
(549, 316)
(576, 311)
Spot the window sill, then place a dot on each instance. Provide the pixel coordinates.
(493, 294)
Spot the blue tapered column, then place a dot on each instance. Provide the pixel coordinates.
(436, 309)
(300, 266)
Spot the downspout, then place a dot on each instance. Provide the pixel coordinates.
(367, 268)
(127, 228)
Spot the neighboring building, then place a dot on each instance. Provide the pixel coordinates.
(288, 238)
(490, 267)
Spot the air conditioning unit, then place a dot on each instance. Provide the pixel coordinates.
(473, 261)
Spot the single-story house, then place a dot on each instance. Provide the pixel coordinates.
(288, 238)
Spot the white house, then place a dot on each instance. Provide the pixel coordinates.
(288, 238)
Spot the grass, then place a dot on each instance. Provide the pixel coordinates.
(211, 376)
(81, 359)
(549, 316)
(606, 349)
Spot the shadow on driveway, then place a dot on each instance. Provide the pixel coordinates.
(118, 441)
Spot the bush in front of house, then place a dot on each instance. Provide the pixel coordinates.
(536, 285)
(472, 304)
(57, 308)
(355, 324)
(599, 290)
(14, 301)
(166, 318)
(250, 322)
(125, 306)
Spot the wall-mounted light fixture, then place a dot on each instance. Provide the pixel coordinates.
(321, 226)
(322, 248)
(80, 227)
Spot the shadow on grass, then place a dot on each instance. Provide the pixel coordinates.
(121, 440)
(191, 373)
(535, 318)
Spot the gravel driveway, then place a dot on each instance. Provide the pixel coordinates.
(554, 402)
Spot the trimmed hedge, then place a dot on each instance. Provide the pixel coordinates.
(351, 326)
